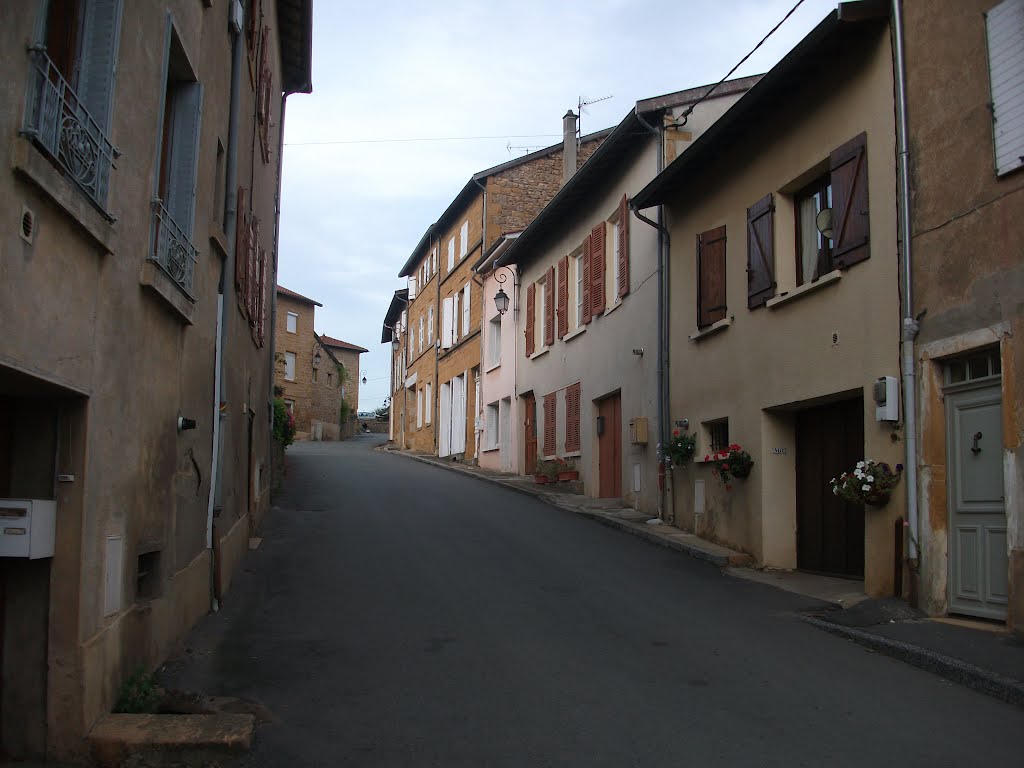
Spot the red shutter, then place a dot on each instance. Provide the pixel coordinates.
(262, 303)
(572, 418)
(711, 305)
(531, 293)
(549, 424)
(587, 249)
(597, 270)
(241, 242)
(760, 253)
(549, 307)
(850, 226)
(251, 274)
(623, 287)
(563, 296)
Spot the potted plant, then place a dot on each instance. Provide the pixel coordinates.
(567, 470)
(547, 471)
(730, 463)
(870, 483)
(680, 448)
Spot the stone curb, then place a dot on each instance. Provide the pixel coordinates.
(192, 739)
(982, 680)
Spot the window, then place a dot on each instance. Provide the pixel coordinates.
(760, 252)
(977, 365)
(451, 254)
(412, 288)
(550, 424)
(264, 92)
(315, 372)
(178, 157)
(433, 261)
(430, 325)
(330, 379)
(290, 405)
(597, 267)
(293, 321)
(1004, 26)
(562, 297)
(456, 316)
(447, 321)
(718, 435)
(463, 240)
(572, 418)
(419, 407)
(494, 341)
(711, 305)
(289, 366)
(813, 249)
(412, 339)
(428, 403)
(466, 305)
(491, 434)
(421, 333)
(580, 276)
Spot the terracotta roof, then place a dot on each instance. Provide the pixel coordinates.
(328, 341)
(297, 296)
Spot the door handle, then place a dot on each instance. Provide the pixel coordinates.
(974, 448)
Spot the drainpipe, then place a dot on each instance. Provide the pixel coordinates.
(910, 325)
(226, 275)
(665, 493)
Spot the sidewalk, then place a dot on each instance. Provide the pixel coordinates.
(976, 654)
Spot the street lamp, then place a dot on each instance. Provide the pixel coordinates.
(501, 300)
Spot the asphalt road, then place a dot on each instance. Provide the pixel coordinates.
(398, 614)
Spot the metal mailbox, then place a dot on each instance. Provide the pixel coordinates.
(28, 527)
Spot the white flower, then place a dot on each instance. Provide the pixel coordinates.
(865, 487)
(871, 478)
(835, 490)
(858, 474)
(860, 465)
(833, 481)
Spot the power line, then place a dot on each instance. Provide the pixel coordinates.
(418, 138)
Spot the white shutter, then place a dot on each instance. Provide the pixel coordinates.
(463, 240)
(447, 322)
(428, 404)
(433, 258)
(289, 366)
(445, 421)
(100, 32)
(186, 102)
(451, 254)
(412, 288)
(465, 311)
(1004, 25)
(430, 324)
(421, 333)
(455, 316)
(419, 408)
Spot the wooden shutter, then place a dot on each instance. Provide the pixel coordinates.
(549, 307)
(597, 270)
(99, 56)
(262, 303)
(550, 424)
(531, 311)
(711, 305)
(187, 101)
(447, 321)
(850, 226)
(760, 252)
(587, 251)
(467, 307)
(563, 296)
(572, 418)
(623, 287)
(241, 242)
(1004, 27)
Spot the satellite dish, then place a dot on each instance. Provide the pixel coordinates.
(823, 221)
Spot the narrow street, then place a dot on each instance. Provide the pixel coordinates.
(396, 614)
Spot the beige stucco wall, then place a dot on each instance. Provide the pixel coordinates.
(498, 380)
(771, 362)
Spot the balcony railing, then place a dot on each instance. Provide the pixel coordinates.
(60, 124)
(172, 249)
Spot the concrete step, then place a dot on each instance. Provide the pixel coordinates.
(145, 741)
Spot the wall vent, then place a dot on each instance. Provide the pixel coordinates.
(27, 227)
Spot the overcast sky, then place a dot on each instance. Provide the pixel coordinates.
(403, 94)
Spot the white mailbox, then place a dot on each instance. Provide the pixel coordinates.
(28, 527)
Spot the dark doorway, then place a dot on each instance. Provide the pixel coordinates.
(609, 447)
(529, 434)
(830, 531)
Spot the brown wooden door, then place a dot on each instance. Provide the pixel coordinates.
(830, 532)
(529, 433)
(609, 447)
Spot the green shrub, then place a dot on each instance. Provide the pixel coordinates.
(284, 423)
(139, 694)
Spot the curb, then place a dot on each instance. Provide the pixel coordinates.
(954, 670)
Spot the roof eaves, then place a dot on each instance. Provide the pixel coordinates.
(398, 303)
(295, 33)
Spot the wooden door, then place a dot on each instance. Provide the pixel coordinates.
(830, 531)
(529, 433)
(609, 447)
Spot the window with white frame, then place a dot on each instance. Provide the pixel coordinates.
(430, 324)
(428, 403)
(289, 366)
(293, 322)
(412, 340)
(451, 254)
(419, 407)
(463, 240)
(492, 438)
(494, 341)
(421, 333)
(466, 304)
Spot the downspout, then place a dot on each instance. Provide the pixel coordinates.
(226, 275)
(665, 489)
(910, 324)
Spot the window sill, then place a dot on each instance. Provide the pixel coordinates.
(711, 330)
(491, 449)
(803, 290)
(573, 455)
(161, 285)
(573, 334)
(613, 307)
(492, 368)
(541, 353)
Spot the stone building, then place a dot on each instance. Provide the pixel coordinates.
(440, 408)
(966, 155)
(394, 321)
(135, 369)
(295, 346)
(347, 356)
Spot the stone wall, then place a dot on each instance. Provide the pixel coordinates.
(300, 343)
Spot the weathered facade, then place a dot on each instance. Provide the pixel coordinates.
(295, 345)
(134, 395)
(392, 334)
(347, 355)
(966, 141)
(778, 333)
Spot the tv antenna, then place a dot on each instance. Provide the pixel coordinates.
(525, 149)
(581, 104)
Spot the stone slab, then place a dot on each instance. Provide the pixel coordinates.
(117, 737)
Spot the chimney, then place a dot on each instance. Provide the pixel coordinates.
(568, 146)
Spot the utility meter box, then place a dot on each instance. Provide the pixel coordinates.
(28, 528)
(887, 399)
(638, 430)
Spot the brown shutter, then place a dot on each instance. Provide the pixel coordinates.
(597, 270)
(760, 253)
(623, 287)
(531, 294)
(563, 296)
(241, 243)
(549, 424)
(262, 300)
(250, 269)
(850, 230)
(587, 250)
(549, 307)
(711, 276)
(572, 418)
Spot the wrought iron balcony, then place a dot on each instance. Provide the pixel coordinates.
(172, 250)
(61, 126)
